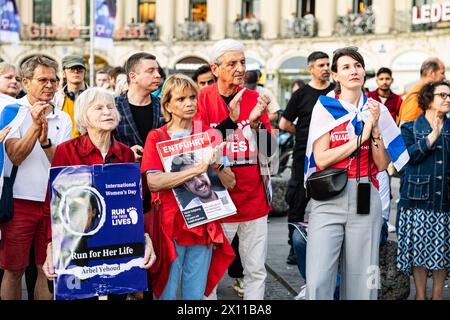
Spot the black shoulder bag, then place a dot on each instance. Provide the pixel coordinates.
(6, 201)
(328, 183)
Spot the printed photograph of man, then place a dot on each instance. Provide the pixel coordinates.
(199, 186)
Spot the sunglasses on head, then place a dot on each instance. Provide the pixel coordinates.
(345, 49)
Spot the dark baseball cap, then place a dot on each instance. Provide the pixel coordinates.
(73, 61)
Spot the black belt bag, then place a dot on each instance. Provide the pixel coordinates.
(330, 182)
(327, 183)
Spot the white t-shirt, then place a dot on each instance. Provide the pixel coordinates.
(33, 173)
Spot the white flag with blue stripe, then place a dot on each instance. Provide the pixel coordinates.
(330, 112)
(12, 113)
(9, 22)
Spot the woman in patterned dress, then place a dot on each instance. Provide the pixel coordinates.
(424, 216)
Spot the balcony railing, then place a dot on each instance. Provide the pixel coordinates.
(192, 31)
(245, 29)
(300, 27)
(355, 23)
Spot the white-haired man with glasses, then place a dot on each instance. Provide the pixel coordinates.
(249, 196)
(30, 148)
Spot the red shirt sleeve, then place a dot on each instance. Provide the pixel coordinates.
(150, 159)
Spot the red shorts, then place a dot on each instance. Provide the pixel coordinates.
(28, 225)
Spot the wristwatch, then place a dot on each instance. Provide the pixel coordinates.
(219, 167)
(47, 145)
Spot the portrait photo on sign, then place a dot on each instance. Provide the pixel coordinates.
(203, 188)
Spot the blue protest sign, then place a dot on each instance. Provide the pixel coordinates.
(97, 230)
(105, 16)
(9, 21)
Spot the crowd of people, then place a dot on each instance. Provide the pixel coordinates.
(130, 109)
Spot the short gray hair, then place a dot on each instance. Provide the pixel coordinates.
(86, 99)
(32, 63)
(430, 64)
(223, 46)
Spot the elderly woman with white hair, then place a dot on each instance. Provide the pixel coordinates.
(96, 117)
(10, 79)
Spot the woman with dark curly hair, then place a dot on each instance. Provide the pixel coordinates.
(424, 207)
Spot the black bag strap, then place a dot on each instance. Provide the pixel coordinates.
(358, 160)
(13, 174)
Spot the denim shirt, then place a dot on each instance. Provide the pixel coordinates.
(424, 182)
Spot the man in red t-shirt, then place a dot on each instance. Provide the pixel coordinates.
(249, 194)
(384, 94)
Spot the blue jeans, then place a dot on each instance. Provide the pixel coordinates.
(384, 232)
(193, 263)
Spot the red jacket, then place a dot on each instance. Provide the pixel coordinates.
(248, 195)
(393, 102)
(81, 151)
(173, 227)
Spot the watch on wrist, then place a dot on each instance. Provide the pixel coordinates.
(47, 145)
(219, 167)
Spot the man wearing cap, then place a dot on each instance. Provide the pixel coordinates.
(73, 71)
(249, 194)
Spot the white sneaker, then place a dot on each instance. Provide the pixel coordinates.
(391, 228)
(302, 294)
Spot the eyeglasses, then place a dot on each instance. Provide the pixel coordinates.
(44, 81)
(443, 95)
(345, 49)
(75, 68)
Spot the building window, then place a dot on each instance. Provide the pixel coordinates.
(197, 10)
(42, 11)
(147, 11)
(251, 8)
(304, 7)
(88, 12)
(360, 6)
(418, 3)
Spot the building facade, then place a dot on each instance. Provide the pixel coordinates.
(278, 34)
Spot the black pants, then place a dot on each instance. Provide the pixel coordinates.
(296, 198)
(235, 270)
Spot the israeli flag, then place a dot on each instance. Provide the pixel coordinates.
(12, 114)
(9, 22)
(330, 112)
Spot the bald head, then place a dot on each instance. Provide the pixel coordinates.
(433, 69)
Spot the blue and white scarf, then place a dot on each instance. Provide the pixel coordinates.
(329, 112)
(12, 113)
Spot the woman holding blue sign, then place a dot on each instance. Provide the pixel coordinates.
(96, 117)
